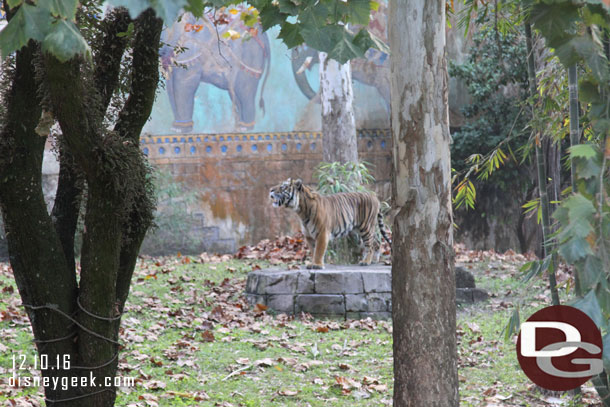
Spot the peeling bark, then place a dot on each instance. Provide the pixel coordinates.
(423, 282)
(339, 141)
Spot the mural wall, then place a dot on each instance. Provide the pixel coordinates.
(226, 79)
(231, 175)
(253, 83)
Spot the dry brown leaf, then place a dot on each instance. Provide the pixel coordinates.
(266, 362)
(208, 336)
(259, 308)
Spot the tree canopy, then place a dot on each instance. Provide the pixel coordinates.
(336, 27)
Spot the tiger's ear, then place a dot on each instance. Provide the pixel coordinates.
(299, 184)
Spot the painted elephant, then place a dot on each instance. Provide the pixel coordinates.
(194, 51)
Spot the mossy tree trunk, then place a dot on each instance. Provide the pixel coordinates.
(81, 318)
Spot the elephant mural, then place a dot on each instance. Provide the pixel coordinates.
(195, 52)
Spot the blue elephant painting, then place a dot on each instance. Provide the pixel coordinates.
(197, 51)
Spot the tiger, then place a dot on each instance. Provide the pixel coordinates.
(326, 217)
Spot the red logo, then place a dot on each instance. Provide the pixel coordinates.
(559, 348)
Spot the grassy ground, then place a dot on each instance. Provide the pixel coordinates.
(191, 340)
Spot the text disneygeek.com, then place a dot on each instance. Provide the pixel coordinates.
(64, 383)
(23, 363)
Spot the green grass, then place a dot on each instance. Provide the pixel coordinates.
(261, 359)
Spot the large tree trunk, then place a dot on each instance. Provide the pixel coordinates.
(423, 282)
(339, 141)
(80, 320)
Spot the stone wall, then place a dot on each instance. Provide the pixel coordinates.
(351, 292)
(232, 173)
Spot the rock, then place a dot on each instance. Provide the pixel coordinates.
(478, 294)
(335, 282)
(339, 291)
(378, 302)
(377, 281)
(281, 302)
(463, 278)
(320, 304)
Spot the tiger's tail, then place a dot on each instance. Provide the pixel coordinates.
(382, 228)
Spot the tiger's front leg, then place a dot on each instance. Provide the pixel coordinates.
(319, 251)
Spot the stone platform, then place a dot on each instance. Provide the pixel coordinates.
(352, 292)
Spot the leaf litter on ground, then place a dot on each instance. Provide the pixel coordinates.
(190, 337)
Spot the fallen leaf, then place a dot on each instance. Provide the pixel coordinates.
(207, 336)
(287, 392)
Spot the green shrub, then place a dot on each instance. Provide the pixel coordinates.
(173, 221)
(496, 77)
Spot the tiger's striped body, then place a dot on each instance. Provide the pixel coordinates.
(325, 217)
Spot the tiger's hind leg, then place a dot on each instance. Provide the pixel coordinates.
(371, 248)
(311, 242)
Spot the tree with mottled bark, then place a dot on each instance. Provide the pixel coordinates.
(339, 142)
(423, 282)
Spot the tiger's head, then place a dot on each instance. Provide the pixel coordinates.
(286, 194)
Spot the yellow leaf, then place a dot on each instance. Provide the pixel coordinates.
(233, 34)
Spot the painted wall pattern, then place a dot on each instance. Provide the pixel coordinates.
(214, 84)
(232, 173)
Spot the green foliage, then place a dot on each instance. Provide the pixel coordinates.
(466, 194)
(333, 26)
(579, 33)
(496, 76)
(173, 221)
(534, 205)
(343, 177)
(64, 40)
